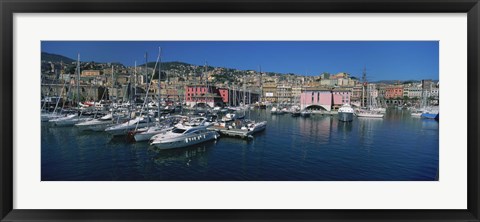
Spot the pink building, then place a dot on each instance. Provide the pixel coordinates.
(316, 98)
(224, 94)
(327, 99)
(340, 97)
(200, 94)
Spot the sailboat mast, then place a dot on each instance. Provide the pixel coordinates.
(206, 84)
(159, 74)
(78, 80)
(135, 82)
(146, 72)
(364, 82)
(244, 90)
(261, 83)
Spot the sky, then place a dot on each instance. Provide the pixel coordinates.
(383, 60)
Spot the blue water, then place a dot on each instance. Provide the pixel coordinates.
(320, 148)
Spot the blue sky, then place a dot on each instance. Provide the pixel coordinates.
(384, 60)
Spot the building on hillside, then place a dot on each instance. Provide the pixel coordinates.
(90, 73)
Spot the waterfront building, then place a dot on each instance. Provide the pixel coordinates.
(284, 93)
(340, 97)
(394, 91)
(200, 95)
(316, 98)
(270, 92)
(296, 93)
(356, 95)
(412, 92)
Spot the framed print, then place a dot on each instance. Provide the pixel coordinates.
(269, 110)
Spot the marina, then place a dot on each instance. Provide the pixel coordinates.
(175, 121)
(318, 148)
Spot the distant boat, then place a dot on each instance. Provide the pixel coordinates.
(416, 113)
(345, 113)
(295, 114)
(305, 113)
(278, 111)
(369, 114)
(430, 113)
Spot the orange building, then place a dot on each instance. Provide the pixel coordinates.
(395, 91)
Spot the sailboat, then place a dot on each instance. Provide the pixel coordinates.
(371, 111)
(72, 119)
(46, 116)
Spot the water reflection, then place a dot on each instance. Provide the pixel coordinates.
(185, 156)
(344, 127)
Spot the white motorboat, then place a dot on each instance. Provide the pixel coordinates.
(183, 136)
(416, 113)
(345, 113)
(145, 134)
(254, 127)
(123, 128)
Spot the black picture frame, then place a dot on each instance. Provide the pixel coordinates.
(9, 7)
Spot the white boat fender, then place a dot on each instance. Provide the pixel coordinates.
(215, 136)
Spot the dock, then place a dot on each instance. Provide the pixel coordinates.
(231, 132)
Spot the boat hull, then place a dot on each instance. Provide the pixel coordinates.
(124, 130)
(429, 115)
(370, 115)
(185, 141)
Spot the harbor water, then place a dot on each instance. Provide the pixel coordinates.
(319, 148)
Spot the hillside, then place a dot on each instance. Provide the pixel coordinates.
(49, 57)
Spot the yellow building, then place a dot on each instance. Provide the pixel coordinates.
(270, 92)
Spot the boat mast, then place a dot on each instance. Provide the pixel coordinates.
(135, 82)
(159, 85)
(244, 90)
(78, 82)
(364, 81)
(261, 83)
(206, 84)
(146, 73)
